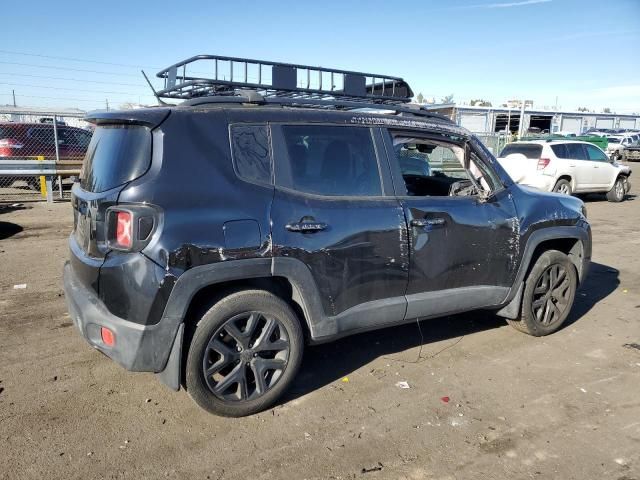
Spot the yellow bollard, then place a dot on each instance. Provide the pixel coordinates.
(43, 181)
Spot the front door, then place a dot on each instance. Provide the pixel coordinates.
(330, 212)
(602, 173)
(463, 227)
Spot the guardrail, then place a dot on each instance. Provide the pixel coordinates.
(39, 173)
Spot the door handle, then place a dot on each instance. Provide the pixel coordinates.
(306, 227)
(427, 222)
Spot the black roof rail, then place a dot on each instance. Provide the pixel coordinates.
(241, 97)
(215, 75)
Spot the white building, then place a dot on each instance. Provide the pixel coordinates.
(498, 119)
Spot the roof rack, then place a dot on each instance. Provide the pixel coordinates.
(214, 75)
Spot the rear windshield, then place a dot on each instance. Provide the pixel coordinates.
(117, 154)
(528, 150)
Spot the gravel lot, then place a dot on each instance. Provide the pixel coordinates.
(566, 406)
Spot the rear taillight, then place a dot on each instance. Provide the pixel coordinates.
(7, 145)
(124, 230)
(543, 162)
(130, 227)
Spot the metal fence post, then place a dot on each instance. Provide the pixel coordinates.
(49, 184)
(55, 139)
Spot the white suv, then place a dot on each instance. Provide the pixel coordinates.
(565, 166)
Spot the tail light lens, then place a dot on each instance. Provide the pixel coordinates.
(130, 227)
(7, 145)
(124, 230)
(543, 162)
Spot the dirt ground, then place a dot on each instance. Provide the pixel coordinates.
(565, 406)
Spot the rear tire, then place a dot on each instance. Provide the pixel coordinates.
(563, 186)
(549, 292)
(617, 193)
(245, 352)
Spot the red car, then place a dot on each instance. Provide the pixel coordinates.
(31, 140)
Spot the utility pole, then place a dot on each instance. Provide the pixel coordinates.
(14, 97)
(106, 101)
(521, 126)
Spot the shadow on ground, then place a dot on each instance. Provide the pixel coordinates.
(601, 197)
(324, 364)
(8, 229)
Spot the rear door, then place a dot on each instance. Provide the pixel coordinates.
(331, 213)
(463, 248)
(581, 168)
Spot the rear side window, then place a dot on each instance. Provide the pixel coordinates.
(117, 154)
(528, 150)
(575, 151)
(250, 148)
(328, 160)
(560, 150)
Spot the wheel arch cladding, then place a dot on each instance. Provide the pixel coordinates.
(572, 241)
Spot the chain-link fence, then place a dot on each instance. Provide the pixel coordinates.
(495, 142)
(41, 153)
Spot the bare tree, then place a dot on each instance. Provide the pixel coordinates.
(447, 99)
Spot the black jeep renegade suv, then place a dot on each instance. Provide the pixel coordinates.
(214, 239)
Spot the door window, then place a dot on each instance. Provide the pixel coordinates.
(328, 160)
(594, 153)
(575, 151)
(434, 166)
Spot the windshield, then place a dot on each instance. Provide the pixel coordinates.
(613, 140)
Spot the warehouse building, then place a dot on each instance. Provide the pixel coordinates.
(499, 119)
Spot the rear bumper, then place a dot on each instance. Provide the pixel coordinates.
(142, 348)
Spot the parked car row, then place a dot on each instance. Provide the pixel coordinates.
(566, 166)
(33, 141)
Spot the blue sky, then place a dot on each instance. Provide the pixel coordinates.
(585, 52)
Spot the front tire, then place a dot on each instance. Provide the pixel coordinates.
(616, 194)
(245, 352)
(563, 186)
(548, 296)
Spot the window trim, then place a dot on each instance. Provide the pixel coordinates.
(267, 125)
(279, 149)
(397, 173)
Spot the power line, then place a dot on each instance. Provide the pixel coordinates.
(48, 87)
(69, 69)
(97, 101)
(81, 60)
(71, 79)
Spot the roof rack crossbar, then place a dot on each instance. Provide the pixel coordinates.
(274, 79)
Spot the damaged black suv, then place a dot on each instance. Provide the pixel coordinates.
(214, 239)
